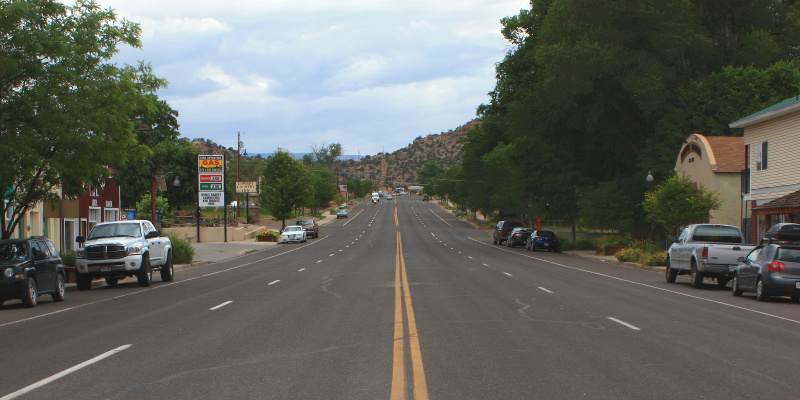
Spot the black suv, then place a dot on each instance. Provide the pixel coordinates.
(30, 267)
(502, 230)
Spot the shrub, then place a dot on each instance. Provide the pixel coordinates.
(583, 244)
(657, 259)
(69, 258)
(275, 235)
(182, 250)
(643, 252)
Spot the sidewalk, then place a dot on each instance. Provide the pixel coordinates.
(610, 259)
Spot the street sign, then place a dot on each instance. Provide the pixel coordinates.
(210, 186)
(246, 187)
(212, 199)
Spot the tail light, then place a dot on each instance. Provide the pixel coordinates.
(705, 253)
(777, 266)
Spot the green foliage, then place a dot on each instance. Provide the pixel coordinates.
(358, 188)
(182, 250)
(286, 185)
(582, 244)
(69, 258)
(642, 252)
(275, 235)
(677, 202)
(67, 114)
(146, 206)
(323, 188)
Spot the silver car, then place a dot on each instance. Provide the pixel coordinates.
(293, 233)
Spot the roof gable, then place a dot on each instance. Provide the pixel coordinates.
(787, 106)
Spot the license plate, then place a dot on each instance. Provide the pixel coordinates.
(797, 285)
(546, 244)
(105, 268)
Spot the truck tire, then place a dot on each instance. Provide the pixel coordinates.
(696, 277)
(167, 270)
(145, 275)
(722, 281)
(84, 282)
(737, 291)
(31, 296)
(671, 274)
(60, 291)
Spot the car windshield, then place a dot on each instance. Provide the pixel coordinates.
(13, 251)
(523, 230)
(293, 229)
(131, 229)
(305, 222)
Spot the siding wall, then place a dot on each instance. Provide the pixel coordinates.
(782, 175)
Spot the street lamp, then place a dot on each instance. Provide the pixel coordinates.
(650, 172)
(239, 154)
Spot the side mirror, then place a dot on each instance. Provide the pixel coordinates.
(80, 239)
(673, 239)
(152, 234)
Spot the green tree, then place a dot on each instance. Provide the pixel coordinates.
(323, 188)
(677, 202)
(145, 207)
(326, 154)
(286, 185)
(358, 188)
(67, 115)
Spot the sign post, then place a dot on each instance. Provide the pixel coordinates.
(210, 185)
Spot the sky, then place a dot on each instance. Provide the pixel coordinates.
(371, 75)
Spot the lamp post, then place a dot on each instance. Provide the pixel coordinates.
(650, 169)
(238, 162)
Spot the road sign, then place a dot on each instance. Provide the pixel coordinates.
(212, 199)
(246, 187)
(211, 178)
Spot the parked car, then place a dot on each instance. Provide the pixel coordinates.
(311, 227)
(519, 236)
(771, 269)
(30, 267)
(341, 212)
(541, 239)
(293, 233)
(119, 249)
(706, 251)
(503, 229)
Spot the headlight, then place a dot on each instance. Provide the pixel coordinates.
(81, 253)
(9, 272)
(134, 250)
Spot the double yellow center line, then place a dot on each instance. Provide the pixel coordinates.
(402, 297)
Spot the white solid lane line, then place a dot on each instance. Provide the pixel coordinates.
(302, 269)
(63, 373)
(508, 274)
(544, 290)
(220, 306)
(273, 282)
(623, 323)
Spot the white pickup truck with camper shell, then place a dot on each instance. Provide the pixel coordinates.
(119, 249)
(706, 251)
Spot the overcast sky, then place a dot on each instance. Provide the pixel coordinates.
(369, 74)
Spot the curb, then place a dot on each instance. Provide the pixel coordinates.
(622, 263)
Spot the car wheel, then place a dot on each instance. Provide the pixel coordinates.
(168, 269)
(31, 296)
(145, 275)
(60, 292)
(760, 295)
(494, 241)
(671, 274)
(84, 282)
(736, 290)
(723, 281)
(696, 277)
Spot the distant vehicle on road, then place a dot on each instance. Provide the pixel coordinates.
(706, 251)
(293, 233)
(30, 267)
(311, 227)
(425, 198)
(541, 239)
(503, 229)
(772, 269)
(519, 236)
(341, 212)
(388, 197)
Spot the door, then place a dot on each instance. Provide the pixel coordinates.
(749, 272)
(157, 245)
(45, 267)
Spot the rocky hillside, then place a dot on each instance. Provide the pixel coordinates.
(400, 168)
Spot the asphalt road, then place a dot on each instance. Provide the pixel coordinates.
(402, 300)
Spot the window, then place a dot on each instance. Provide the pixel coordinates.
(762, 155)
(111, 215)
(94, 217)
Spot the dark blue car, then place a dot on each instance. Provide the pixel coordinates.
(541, 239)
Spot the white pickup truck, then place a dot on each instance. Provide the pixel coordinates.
(115, 250)
(706, 251)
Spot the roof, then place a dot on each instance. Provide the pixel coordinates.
(791, 200)
(729, 153)
(777, 110)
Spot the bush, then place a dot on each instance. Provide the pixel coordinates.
(583, 244)
(275, 235)
(182, 250)
(69, 258)
(643, 252)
